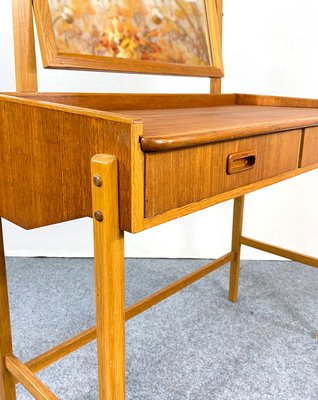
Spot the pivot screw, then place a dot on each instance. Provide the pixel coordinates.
(98, 181)
(98, 215)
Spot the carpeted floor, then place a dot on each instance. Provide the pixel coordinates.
(194, 346)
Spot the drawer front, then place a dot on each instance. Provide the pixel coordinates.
(310, 147)
(184, 176)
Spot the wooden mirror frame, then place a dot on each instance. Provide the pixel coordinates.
(52, 58)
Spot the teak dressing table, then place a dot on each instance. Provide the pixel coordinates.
(133, 161)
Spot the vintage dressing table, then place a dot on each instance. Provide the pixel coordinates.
(133, 161)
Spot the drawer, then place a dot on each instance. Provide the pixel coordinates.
(179, 177)
(310, 147)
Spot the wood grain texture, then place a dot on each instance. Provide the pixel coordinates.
(129, 101)
(23, 98)
(97, 63)
(238, 212)
(309, 154)
(184, 176)
(24, 46)
(54, 59)
(214, 34)
(7, 386)
(45, 31)
(281, 252)
(58, 164)
(113, 101)
(109, 280)
(30, 382)
(169, 129)
(220, 198)
(275, 101)
(168, 122)
(216, 83)
(47, 153)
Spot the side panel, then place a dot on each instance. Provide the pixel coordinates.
(45, 157)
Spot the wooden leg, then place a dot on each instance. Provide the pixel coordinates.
(236, 247)
(7, 385)
(109, 279)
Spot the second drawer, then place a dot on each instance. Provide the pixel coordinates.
(310, 147)
(184, 176)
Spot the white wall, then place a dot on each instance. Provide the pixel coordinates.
(269, 48)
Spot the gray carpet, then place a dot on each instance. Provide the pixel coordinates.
(193, 346)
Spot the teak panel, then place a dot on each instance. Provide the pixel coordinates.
(275, 101)
(179, 177)
(222, 197)
(132, 101)
(310, 147)
(168, 129)
(176, 121)
(46, 153)
(139, 101)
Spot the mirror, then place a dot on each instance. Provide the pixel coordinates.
(157, 36)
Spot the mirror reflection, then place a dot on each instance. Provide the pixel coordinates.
(172, 31)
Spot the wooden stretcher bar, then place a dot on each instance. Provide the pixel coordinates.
(279, 251)
(30, 382)
(49, 357)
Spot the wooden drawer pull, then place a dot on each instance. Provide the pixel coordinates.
(239, 162)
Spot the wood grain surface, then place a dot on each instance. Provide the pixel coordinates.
(184, 176)
(176, 121)
(222, 197)
(109, 279)
(24, 46)
(216, 83)
(168, 129)
(281, 252)
(47, 152)
(275, 101)
(31, 383)
(238, 214)
(59, 134)
(7, 385)
(310, 147)
(131, 101)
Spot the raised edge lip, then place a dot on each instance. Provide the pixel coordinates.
(165, 143)
(72, 109)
